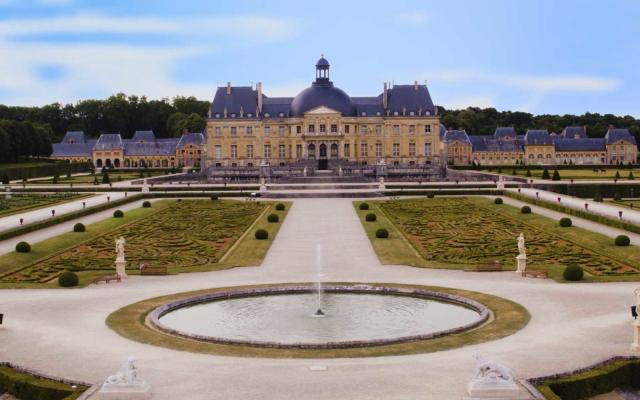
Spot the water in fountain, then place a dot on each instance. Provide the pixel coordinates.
(319, 312)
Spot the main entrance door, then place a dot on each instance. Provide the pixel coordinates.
(323, 163)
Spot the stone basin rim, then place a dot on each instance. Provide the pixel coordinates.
(484, 314)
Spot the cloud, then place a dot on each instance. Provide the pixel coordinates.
(413, 18)
(261, 28)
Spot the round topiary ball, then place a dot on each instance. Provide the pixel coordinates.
(431, 195)
(364, 206)
(23, 247)
(573, 273)
(525, 210)
(273, 218)
(370, 217)
(280, 207)
(118, 214)
(68, 279)
(382, 233)
(565, 222)
(497, 200)
(214, 197)
(261, 234)
(79, 227)
(622, 240)
(146, 204)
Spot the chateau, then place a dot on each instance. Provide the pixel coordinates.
(323, 127)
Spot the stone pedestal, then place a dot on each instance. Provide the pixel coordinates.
(500, 185)
(495, 390)
(122, 391)
(120, 267)
(381, 185)
(635, 346)
(521, 261)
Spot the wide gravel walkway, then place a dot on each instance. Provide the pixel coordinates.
(62, 332)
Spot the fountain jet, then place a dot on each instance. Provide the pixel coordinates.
(319, 311)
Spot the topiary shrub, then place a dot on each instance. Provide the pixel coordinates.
(23, 247)
(280, 207)
(79, 227)
(497, 200)
(382, 233)
(273, 218)
(617, 196)
(261, 234)
(573, 272)
(370, 217)
(364, 206)
(622, 240)
(118, 214)
(68, 279)
(597, 197)
(214, 197)
(565, 222)
(146, 204)
(525, 210)
(431, 195)
(545, 174)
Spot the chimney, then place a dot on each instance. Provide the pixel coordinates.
(228, 87)
(385, 96)
(259, 89)
(435, 110)
(415, 85)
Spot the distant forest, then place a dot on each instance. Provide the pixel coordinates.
(29, 131)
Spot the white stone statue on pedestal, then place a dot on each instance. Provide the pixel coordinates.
(492, 381)
(120, 261)
(304, 171)
(635, 346)
(381, 185)
(125, 384)
(521, 259)
(263, 185)
(500, 183)
(145, 186)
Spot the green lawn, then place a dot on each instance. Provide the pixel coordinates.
(576, 174)
(88, 178)
(183, 235)
(631, 203)
(464, 232)
(26, 202)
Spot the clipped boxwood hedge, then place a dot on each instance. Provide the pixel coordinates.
(525, 210)
(118, 214)
(280, 207)
(25, 386)
(565, 222)
(261, 234)
(371, 217)
(68, 279)
(382, 233)
(622, 240)
(273, 218)
(23, 247)
(364, 206)
(79, 227)
(497, 200)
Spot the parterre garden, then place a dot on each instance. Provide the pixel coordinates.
(465, 232)
(183, 235)
(22, 202)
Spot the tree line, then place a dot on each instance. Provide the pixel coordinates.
(24, 139)
(483, 121)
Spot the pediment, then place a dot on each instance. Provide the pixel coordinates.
(322, 110)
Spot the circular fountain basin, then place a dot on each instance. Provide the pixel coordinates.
(353, 316)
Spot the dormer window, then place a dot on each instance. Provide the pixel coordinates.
(281, 114)
(233, 115)
(378, 113)
(249, 115)
(364, 114)
(411, 113)
(395, 113)
(267, 115)
(427, 113)
(217, 115)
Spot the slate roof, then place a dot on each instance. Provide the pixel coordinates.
(144, 136)
(574, 132)
(275, 107)
(414, 98)
(581, 144)
(154, 148)
(456, 135)
(74, 137)
(368, 106)
(538, 137)
(241, 97)
(109, 141)
(493, 144)
(615, 134)
(505, 132)
(191, 138)
(73, 149)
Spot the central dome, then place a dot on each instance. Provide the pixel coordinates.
(322, 93)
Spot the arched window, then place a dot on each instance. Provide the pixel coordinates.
(99, 163)
(108, 162)
(116, 163)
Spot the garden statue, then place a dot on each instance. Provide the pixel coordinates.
(489, 371)
(120, 261)
(521, 249)
(521, 259)
(125, 384)
(493, 381)
(381, 185)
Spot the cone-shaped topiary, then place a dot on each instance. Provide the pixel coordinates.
(261, 234)
(79, 227)
(556, 175)
(545, 174)
(565, 222)
(631, 176)
(23, 247)
(622, 240)
(68, 279)
(573, 272)
(273, 218)
(370, 217)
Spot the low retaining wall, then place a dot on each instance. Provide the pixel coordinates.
(482, 310)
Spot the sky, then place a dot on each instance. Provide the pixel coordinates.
(538, 56)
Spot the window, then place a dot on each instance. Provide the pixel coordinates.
(298, 151)
(217, 152)
(427, 149)
(267, 130)
(346, 129)
(412, 129)
(378, 130)
(396, 129)
(281, 130)
(379, 150)
(234, 131)
(267, 151)
(412, 149)
(281, 153)
(364, 150)
(249, 151)
(249, 131)
(346, 150)
(363, 129)
(396, 149)
(217, 131)
(298, 129)
(234, 151)
(334, 128)
(323, 128)
(311, 129)
(427, 129)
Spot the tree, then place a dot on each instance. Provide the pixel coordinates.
(528, 174)
(556, 175)
(631, 177)
(617, 175)
(545, 174)
(105, 177)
